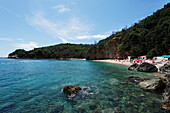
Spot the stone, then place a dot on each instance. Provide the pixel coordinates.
(124, 83)
(155, 84)
(68, 90)
(166, 97)
(117, 110)
(108, 110)
(147, 67)
(133, 67)
(92, 106)
(135, 79)
(165, 68)
(167, 75)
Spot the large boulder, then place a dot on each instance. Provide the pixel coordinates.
(147, 67)
(166, 96)
(165, 68)
(133, 67)
(68, 90)
(155, 84)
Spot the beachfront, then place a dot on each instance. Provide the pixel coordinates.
(128, 63)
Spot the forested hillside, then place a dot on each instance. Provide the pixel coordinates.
(151, 37)
(56, 52)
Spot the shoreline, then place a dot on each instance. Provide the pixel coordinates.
(48, 58)
(127, 64)
(115, 62)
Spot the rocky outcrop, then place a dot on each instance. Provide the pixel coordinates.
(159, 85)
(156, 84)
(147, 67)
(133, 67)
(68, 90)
(106, 49)
(165, 68)
(166, 96)
(135, 79)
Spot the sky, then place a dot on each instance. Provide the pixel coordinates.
(28, 24)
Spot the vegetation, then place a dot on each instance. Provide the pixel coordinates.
(150, 37)
(56, 52)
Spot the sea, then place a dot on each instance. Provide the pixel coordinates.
(35, 86)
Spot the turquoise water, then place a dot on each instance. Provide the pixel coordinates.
(36, 86)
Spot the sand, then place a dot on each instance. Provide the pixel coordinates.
(121, 62)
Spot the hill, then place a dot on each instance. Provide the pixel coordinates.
(150, 37)
(53, 52)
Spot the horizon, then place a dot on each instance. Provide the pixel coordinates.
(35, 24)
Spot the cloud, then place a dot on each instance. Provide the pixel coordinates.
(11, 12)
(68, 30)
(29, 45)
(5, 39)
(91, 36)
(61, 8)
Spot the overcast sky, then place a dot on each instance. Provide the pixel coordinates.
(28, 24)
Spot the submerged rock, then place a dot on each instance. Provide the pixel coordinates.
(135, 79)
(6, 107)
(108, 110)
(133, 67)
(57, 109)
(68, 90)
(166, 97)
(79, 110)
(165, 68)
(117, 110)
(147, 67)
(92, 106)
(155, 84)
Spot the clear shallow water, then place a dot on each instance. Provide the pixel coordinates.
(36, 86)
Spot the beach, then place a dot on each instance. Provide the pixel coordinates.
(127, 63)
(121, 62)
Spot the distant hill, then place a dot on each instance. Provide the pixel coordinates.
(150, 37)
(53, 52)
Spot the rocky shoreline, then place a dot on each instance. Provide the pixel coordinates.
(158, 84)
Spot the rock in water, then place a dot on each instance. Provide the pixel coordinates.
(135, 79)
(166, 97)
(156, 84)
(165, 68)
(146, 67)
(133, 67)
(68, 90)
